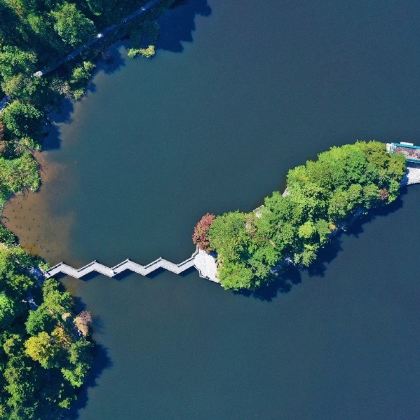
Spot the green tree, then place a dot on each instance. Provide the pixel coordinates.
(7, 237)
(307, 230)
(18, 174)
(228, 234)
(21, 385)
(25, 88)
(80, 358)
(22, 119)
(21, 7)
(80, 77)
(43, 349)
(8, 309)
(13, 60)
(343, 203)
(14, 263)
(39, 320)
(56, 301)
(72, 25)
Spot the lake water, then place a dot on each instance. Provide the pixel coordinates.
(235, 97)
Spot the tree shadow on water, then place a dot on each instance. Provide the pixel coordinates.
(178, 23)
(111, 59)
(109, 62)
(61, 113)
(101, 361)
(355, 228)
(290, 276)
(283, 282)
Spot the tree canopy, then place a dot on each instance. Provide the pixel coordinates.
(293, 227)
(44, 359)
(72, 25)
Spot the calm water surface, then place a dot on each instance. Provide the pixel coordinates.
(235, 97)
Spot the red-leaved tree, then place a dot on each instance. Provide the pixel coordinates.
(200, 235)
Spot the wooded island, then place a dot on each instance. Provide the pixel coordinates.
(291, 228)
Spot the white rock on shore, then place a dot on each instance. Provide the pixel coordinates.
(206, 265)
(413, 175)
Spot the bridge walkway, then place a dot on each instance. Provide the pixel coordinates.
(204, 264)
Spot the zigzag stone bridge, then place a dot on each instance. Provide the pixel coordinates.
(204, 263)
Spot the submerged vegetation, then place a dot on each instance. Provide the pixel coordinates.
(291, 228)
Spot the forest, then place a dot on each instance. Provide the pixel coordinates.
(45, 350)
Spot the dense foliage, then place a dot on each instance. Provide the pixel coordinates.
(44, 358)
(294, 226)
(18, 174)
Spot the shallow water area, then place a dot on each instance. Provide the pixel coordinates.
(235, 97)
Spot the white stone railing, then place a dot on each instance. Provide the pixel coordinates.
(204, 263)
